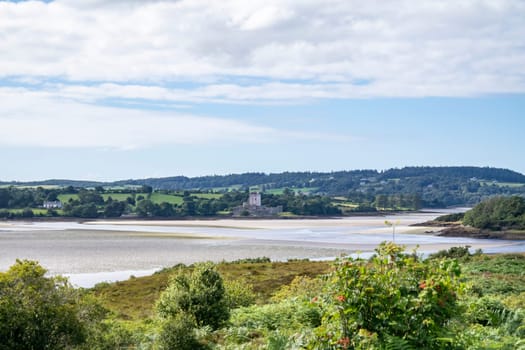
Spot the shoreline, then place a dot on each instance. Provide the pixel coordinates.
(471, 232)
(456, 229)
(229, 217)
(116, 247)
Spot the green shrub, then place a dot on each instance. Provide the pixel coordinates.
(498, 213)
(199, 293)
(178, 333)
(38, 312)
(515, 301)
(239, 293)
(114, 334)
(452, 253)
(286, 315)
(394, 296)
(278, 341)
(258, 260)
(503, 263)
(301, 288)
(450, 217)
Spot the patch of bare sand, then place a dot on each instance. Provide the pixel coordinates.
(249, 224)
(354, 247)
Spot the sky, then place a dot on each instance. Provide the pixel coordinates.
(120, 89)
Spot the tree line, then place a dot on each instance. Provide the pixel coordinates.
(436, 186)
(498, 213)
(98, 202)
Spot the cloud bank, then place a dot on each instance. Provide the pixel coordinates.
(237, 50)
(66, 65)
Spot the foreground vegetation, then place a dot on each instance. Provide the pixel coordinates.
(394, 300)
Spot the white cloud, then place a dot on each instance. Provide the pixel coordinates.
(404, 47)
(37, 119)
(254, 16)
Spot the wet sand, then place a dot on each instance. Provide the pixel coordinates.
(97, 249)
(266, 223)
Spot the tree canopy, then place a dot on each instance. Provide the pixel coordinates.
(38, 312)
(498, 213)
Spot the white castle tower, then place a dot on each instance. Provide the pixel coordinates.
(254, 199)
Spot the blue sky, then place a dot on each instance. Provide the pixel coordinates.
(130, 89)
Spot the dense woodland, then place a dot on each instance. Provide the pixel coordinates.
(144, 202)
(498, 213)
(433, 186)
(299, 194)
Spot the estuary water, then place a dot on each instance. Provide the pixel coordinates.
(97, 251)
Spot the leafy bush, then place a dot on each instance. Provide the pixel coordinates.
(394, 296)
(452, 253)
(115, 334)
(284, 315)
(200, 294)
(38, 312)
(515, 301)
(239, 293)
(450, 217)
(258, 260)
(178, 333)
(301, 288)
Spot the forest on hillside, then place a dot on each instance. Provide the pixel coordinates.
(409, 187)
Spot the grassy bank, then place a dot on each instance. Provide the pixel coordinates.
(135, 298)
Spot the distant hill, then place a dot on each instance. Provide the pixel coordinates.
(56, 182)
(435, 186)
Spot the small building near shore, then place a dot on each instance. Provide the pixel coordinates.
(254, 208)
(52, 205)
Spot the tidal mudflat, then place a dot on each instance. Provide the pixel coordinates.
(108, 250)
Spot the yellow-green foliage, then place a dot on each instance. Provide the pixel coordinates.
(515, 301)
(502, 274)
(239, 293)
(301, 288)
(135, 298)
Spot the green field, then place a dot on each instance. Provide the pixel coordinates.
(36, 211)
(345, 205)
(502, 184)
(280, 190)
(64, 198)
(155, 197)
(161, 197)
(121, 196)
(207, 195)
